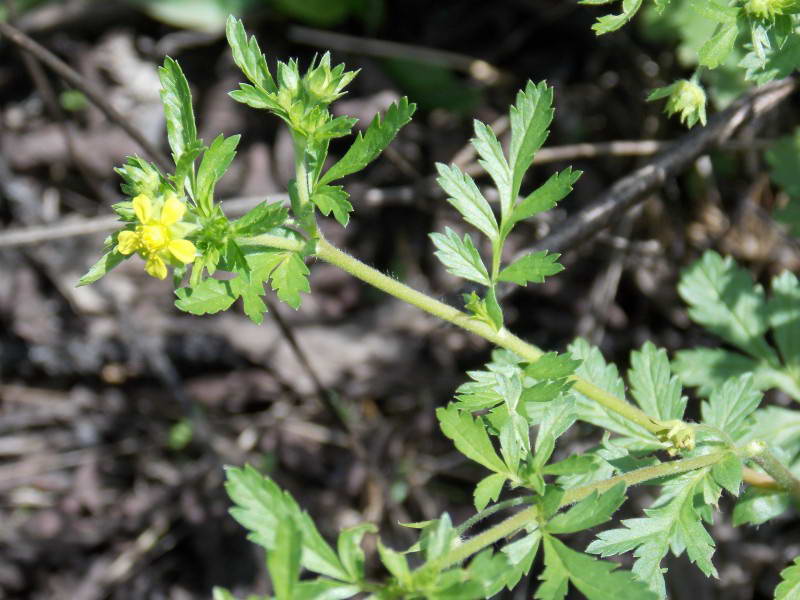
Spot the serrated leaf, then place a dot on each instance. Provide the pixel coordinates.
(717, 49)
(283, 562)
(756, 506)
(655, 389)
(467, 199)
(559, 416)
(673, 521)
(609, 23)
(208, 297)
(395, 563)
(722, 298)
(514, 439)
(590, 512)
(552, 365)
(333, 199)
(530, 118)
(728, 473)
(789, 587)
(261, 505)
(349, 547)
(532, 267)
(256, 98)
(595, 579)
(368, 146)
(460, 256)
(288, 276)
(177, 101)
(520, 554)
(261, 219)
(247, 55)
(236, 262)
(577, 464)
(437, 538)
(107, 262)
(730, 406)
(488, 490)
(546, 196)
(469, 437)
(215, 163)
(324, 589)
(494, 162)
(714, 10)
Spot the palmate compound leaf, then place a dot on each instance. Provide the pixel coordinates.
(260, 506)
(595, 579)
(368, 146)
(789, 587)
(177, 101)
(675, 521)
(460, 256)
(657, 391)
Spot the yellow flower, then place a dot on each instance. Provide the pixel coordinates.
(156, 238)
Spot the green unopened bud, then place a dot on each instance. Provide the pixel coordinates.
(684, 97)
(769, 9)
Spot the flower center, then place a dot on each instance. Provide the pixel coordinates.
(155, 237)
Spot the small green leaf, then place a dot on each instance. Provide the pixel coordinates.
(479, 309)
(728, 473)
(368, 146)
(236, 261)
(609, 23)
(437, 538)
(532, 267)
(350, 553)
(324, 589)
(653, 386)
(488, 490)
(730, 406)
(494, 162)
(530, 118)
(590, 512)
(287, 272)
(558, 417)
(546, 196)
(469, 437)
(177, 101)
(395, 563)
(247, 55)
(333, 198)
(215, 163)
(493, 309)
(577, 464)
(467, 199)
(208, 297)
(261, 219)
(283, 562)
(789, 586)
(717, 49)
(595, 579)
(784, 316)
(256, 98)
(460, 256)
(552, 365)
(756, 506)
(107, 262)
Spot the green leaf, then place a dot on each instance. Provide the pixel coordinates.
(532, 267)
(520, 554)
(257, 98)
(208, 297)
(546, 196)
(789, 586)
(248, 57)
(467, 199)
(728, 473)
(595, 579)
(288, 275)
(576, 464)
(709, 368)
(515, 444)
(283, 562)
(324, 589)
(493, 161)
(236, 261)
(714, 10)
(656, 390)
(215, 163)
(395, 563)
(438, 538)
(609, 23)
(177, 101)
(261, 506)
(552, 365)
(333, 198)
(107, 262)
(530, 118)
(460, 257)
(675, 520)
(717, 49)
(722, 298)
(368, 146)
(261, 219)
(784, 316)
(590, 512)
(757, 506)
(730, 406)
(469, 437)
(350, 553)
(479, 309)
(488, 489)
(559, 416)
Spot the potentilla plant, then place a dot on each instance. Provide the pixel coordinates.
(508, 416)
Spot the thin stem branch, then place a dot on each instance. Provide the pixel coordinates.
(760, 453)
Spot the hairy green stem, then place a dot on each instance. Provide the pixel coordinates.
(518, 521)
(759, 452)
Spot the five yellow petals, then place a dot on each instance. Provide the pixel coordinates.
(153, 237)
